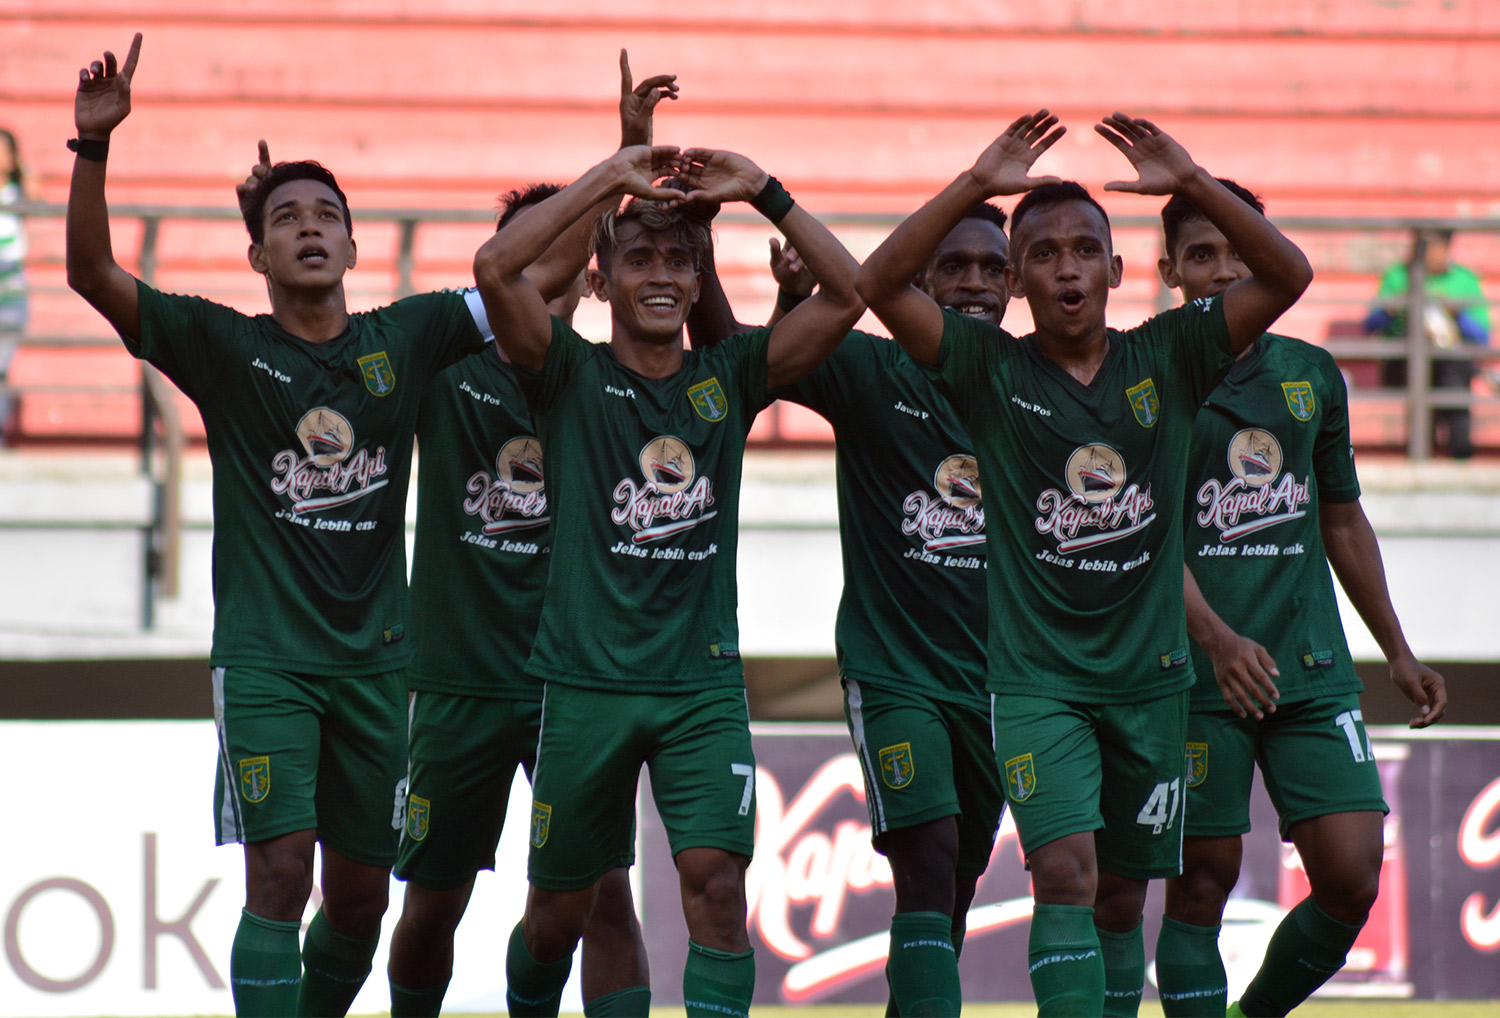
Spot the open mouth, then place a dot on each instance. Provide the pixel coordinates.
(973, 309)
(660, 302)
(312, 256)
(1072, 300)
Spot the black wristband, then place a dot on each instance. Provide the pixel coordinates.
(773, 202)
(786, 300)
(92, 149)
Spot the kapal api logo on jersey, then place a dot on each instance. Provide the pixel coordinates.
(1299, 399)
(379, 376)
(954, 518)
(1020, 777)
(328, 463)
(709, 400)
(255, 778)
(671, 500)
(897, 768)
(1099, 505)
(1258, 493)
(515, 498)
(1144, 402)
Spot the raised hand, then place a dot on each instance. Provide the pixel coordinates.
(1423, 687)
(789, 272)
(103, 98)
(245, 192)
(638, 168)
(1002, 168)
(637, 103)
(1162, 165)
(713, 175)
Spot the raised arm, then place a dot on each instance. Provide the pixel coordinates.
(807, 336)
(1279, 270)
(1355, 556)
(102, 102)
(516, 310)
(887, 280)
(1243, 669)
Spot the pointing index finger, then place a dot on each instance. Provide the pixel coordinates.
(625, 79)
(133, 56)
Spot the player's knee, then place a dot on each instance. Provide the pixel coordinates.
(1063, 875)
(428, 913)
(924, 861)
(713, 897)
(1348, 895)
(554, 922)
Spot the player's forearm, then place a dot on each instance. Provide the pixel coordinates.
(1354, 554)
(1204, 625)
(523, 240)
(711, 320)
(888, 272)
(1272, 259)
(828, 260)
(92, 270)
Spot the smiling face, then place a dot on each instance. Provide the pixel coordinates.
(1063, 266)
(1204, 264)
(306, 243)
(967, 271)
(651, 284)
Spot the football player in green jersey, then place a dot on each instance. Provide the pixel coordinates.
(309, 413)
(1081, 434)
(1272, 495)
(482, 538)
(638, 642)
(910, 629)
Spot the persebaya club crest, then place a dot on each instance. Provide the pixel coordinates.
(541, 823)
(1020, 778)
(1299, 399)
(1197, 763)
(418, 816)
(896, 767)
(1144, 402)
(380, 377)
(708, 399)
(255, 778)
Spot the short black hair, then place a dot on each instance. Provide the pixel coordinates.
(283, 173)
(1178, 211)
(1049, 196)
(518, 198)
(989, 213)
(692, 231)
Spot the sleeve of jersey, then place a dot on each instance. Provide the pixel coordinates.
(747, 367)
(1333, 456)
(185, 337)
(453, 332)
(961, 362)
(1200, 338)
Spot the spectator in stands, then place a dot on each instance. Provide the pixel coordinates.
(16, 185)
(1455, 312)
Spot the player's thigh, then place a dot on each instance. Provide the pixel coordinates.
(904, 750)
(1047, 755)
(1145, 775)
(362, 770)
(1221, 750)
(463, 755)
(980, 796)
(703, 770)
(269, 738)
(589, 758)
(1316, 759)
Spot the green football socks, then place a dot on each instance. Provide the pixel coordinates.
(922, 967)
(631, 1002)
(1189, 970)
(1124, 971)
(265, 966)
(409, 1003)
(957, 930)
(717, 984)
(1307, 948)
(334, 967)
(1065, 963)
(531, 987)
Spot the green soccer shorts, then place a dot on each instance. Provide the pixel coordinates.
(593, 743)
(300, 752)
(1314, 757)
(464, 751)
(1115, 769)
(924, 759)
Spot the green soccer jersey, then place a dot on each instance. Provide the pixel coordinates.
(911, 524)
(1084, 491)
(644, 475)
(311, 449)
(480, 562)
(1270, 443)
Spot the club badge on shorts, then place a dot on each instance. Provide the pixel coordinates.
(541, 823)
(1020, 777)
(418, 817)
(1197, 763)
(255, 778)
(896, 766)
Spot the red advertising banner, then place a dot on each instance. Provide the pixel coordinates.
(820, 898)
